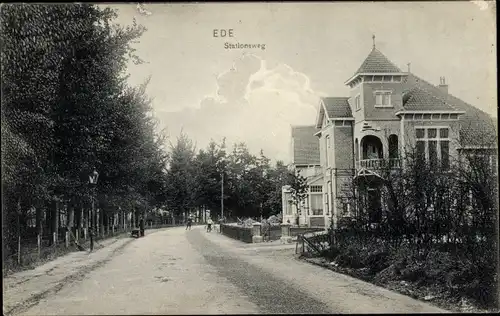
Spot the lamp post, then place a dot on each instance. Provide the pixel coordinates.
(93, 182)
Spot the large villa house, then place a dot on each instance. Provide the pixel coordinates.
(388, 113)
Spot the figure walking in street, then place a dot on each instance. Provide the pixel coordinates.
(189, 222)
(209, 225)
(141, 226)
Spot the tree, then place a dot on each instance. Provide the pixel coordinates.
(66, 109)
(181, 176)
(298, 191)
(278, 178)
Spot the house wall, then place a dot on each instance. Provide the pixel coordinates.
(290, 210)
(358, 115)
(387, 128)
(410, 134)
(309, 171)
(322, 147)
(373, 113)
(343, 192)
(344, 145)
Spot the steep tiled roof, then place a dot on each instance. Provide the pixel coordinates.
(422, 100)
(377, 62)
(305, 145)
(477, 127)
(337, 107)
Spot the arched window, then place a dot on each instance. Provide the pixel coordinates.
(393, 146)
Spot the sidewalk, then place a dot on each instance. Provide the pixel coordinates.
(26, 288)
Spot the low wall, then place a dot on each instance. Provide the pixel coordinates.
(274, 233)
(237, 232)
(294, 231)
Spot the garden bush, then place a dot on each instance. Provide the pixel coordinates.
(376, 259)
(350, 257)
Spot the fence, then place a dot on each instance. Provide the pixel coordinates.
(269, 233)
(35, 247)
(237, 232)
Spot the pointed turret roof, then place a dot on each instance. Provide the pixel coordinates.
(377, 62)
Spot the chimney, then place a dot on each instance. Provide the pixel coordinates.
(442, 85)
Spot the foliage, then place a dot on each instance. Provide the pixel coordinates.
(252, 186)
(434, 227)
(66, 109)
(298, 190)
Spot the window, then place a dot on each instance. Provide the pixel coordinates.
(316, 188)
(393, 146)
(357, 101)
(317, 204)
(433, 145)
(346, 207)
(327, 157)
(383, 98)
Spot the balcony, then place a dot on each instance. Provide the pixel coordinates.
(374, 164)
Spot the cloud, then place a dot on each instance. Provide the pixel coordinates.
(253, 103)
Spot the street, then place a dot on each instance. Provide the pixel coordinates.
(175, 271)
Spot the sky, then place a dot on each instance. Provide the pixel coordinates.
(254, 95)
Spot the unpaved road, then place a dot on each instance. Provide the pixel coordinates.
(193, 272)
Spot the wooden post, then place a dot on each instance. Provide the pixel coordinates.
(39, 244)
(66, 239)
(19, 249)
(85, 233)
(77, 232)
(54, 238)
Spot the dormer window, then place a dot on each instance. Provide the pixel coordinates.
(357, 100)
(383, 98)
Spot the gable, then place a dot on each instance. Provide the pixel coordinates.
(325, 121)
(322, 117)
(318, 180)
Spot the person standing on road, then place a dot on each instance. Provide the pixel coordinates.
(189, 222)
(209, 224)
(141, 227)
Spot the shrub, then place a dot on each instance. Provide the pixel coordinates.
(350, 257)
(331, 253)
(377, 260)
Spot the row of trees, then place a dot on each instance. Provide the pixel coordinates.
(252, 185)
(67, 110)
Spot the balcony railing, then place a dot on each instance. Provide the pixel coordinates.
(379, 163)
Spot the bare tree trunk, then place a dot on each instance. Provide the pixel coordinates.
(70, 217)
(102, 220)
(55, 220)
(95, 223)
(78, 217)
(39, 221)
